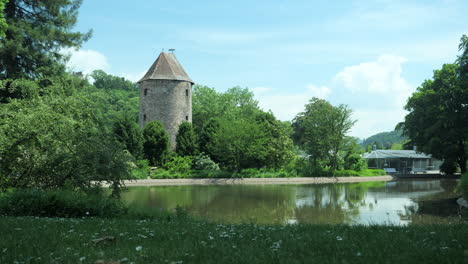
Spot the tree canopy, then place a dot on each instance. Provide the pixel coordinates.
(3, 24)
(438, 114)
(235, 132)
(321, 129)
(156, 142)
(186, 142)
(36, 36)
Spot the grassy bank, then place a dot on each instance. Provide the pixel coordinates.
(181, 240)
(255, 173)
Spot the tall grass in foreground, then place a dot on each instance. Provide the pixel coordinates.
(182, 240)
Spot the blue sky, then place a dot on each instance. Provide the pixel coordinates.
(369, 55)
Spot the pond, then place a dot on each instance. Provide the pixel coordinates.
(395, 202)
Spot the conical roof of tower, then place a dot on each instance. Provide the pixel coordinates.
(166, 67)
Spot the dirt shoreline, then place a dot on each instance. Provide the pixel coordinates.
(227, 181)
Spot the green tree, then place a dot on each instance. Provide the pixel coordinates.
(438, 114)
(186, 142)
(129, 134)
(37, 33)
(3, 24)
(156, 143)
(209, 104)
(351, 154)
(207, 135)
(278, 148)
(238, 144)
(56, 140)
(321, 129)
(102, 80)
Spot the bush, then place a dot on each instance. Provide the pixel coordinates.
(448, 167)
(204, 162)
(156, 142)
(464, 185)
(59, 203)
(179, 164)
(355, 162)
(141, 169)
(372, 172)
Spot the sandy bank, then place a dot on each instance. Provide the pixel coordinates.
(170, 182)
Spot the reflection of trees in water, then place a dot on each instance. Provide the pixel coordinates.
(436, 206)
(238, 203)
(325, 204)
(332, 204)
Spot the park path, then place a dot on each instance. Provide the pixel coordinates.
(226, 181)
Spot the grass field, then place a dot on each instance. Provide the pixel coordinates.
(183, 240)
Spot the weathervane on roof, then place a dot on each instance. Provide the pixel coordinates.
(171, 50)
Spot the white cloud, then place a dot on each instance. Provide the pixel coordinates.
(321, 92)
(375, 90)
(134, 77)
(260, 89)
(381, 76)
(287, 106)
(379, 92)
(87, 61)
(371, 122)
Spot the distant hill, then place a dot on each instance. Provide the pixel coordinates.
(384, 140)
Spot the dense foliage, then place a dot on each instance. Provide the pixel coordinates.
(56, 139)
(36, 35)
(436, 122)
(128, 132)
(186, 142)
(236, 133)
(321, 131)
(59, 203)
(156, 142)
(3, 24)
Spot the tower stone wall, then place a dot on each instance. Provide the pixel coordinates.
(166, 95)
(167, 101)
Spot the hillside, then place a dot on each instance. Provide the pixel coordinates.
(384, 140)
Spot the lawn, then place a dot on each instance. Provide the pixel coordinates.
(183, 240)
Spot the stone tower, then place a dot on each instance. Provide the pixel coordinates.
(166, 95)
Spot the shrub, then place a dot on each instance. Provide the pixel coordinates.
(141, 169)
(186, 144)
(204, 162)
(464, 185)
(372, 172)
(448, 167)
(355, 162)
(179, 164)
(345, 173)
(59, 203)
(156, 142)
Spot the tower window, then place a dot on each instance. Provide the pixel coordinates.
(186, 118)
(186, 92)
(145, 92)
(144, 117)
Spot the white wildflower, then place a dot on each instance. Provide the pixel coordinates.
(139, 248)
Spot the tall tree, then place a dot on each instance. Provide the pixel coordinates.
(57, 140)
(3, 24)
(102, 80)
(186, 142)
(321, 129)
(438, 114)
(156, 142)
(36, 35)
(129, 133)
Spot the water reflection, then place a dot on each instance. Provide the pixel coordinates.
(352, 203)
